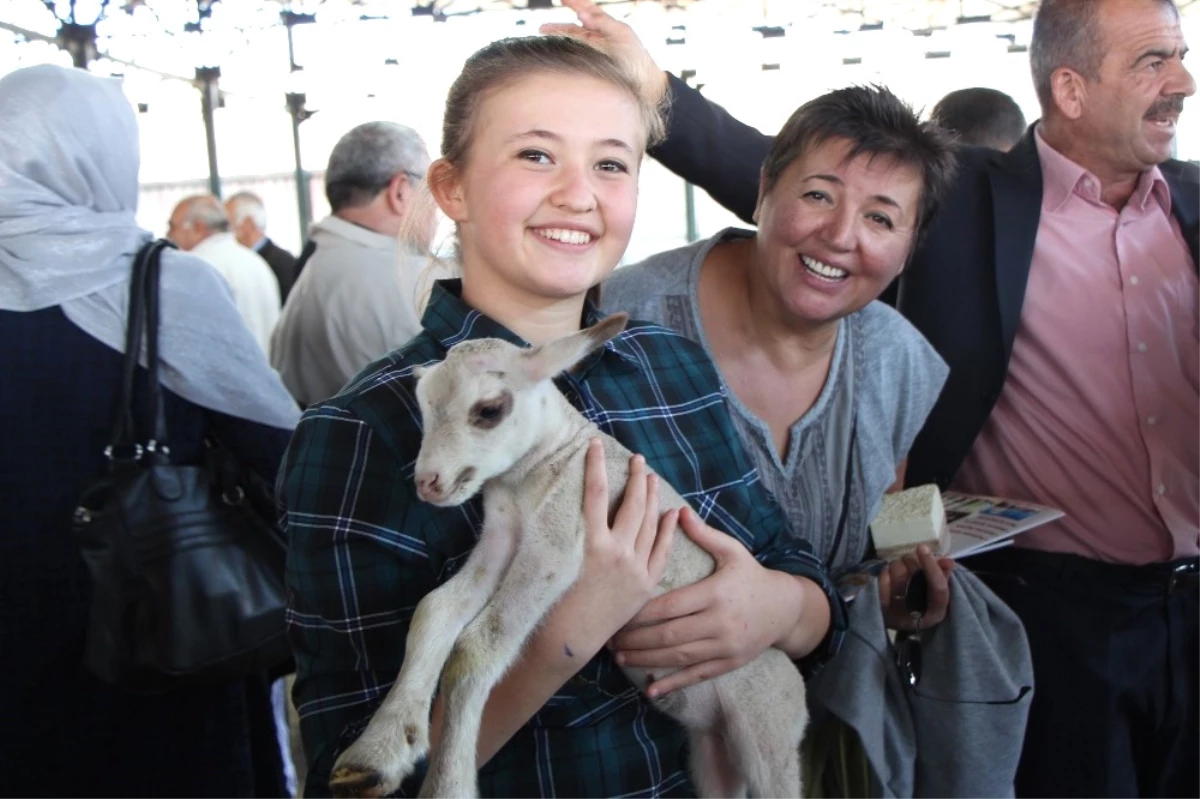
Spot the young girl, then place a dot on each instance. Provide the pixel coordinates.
(542, 140)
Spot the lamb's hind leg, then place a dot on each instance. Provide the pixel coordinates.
(764, 720)
(398, 735)
(540, 574)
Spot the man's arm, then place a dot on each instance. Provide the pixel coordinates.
(706, 146)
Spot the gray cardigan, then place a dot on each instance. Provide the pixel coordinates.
(959, 731)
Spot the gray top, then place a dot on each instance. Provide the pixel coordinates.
(884, 379)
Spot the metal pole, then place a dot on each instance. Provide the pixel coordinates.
(689, 191)
(295, 104)
(210, 100)
(79, 41)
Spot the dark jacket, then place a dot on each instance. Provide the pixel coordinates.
(283, 264)
(966, 284)
(63, 732)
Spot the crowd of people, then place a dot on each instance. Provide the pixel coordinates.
(967, 300)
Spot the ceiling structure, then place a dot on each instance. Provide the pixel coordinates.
(89, 28)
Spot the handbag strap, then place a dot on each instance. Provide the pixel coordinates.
(158, 443)
(142, 318)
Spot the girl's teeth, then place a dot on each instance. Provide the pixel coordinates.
(824, 270)
(565, 236)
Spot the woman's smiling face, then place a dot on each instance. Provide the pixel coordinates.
(834, 231)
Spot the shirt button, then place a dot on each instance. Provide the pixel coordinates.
(1133, 280)
(1150, 420)
(1162, 489)
(1141, 346)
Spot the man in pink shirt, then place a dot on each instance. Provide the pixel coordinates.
(1059, 283)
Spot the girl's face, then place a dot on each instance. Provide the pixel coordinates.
(546, 198)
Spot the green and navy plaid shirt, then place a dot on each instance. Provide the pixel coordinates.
(364, 551)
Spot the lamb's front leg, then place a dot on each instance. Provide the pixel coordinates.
(398, 735)
(543, 569)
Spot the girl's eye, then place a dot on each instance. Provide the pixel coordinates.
(534, 156)
(819, 196)
(880, 219)
(612, 165)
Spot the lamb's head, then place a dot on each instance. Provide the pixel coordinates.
(483, 408)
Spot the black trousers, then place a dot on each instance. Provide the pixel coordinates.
(1116, 663)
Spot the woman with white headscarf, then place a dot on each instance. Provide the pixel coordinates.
(68, 193)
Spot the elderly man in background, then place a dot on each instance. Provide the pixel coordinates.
(1059, 282)
(199, 225)
(981, 117)
(360, 291)
(248, 219)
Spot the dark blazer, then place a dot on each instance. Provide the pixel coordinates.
(282, 263)
(966, 284)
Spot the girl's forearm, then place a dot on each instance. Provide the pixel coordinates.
(810, 629)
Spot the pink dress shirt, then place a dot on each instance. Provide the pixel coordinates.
(1099, 412)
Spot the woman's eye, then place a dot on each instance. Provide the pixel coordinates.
(611, 165)
(880, 219)
(819, 196)
(534, 156)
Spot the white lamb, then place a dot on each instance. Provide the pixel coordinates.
(493, 419)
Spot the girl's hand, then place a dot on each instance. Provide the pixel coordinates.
(893, 581)
(716, 625)
(623, 563)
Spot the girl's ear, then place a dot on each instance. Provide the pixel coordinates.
(447, 189)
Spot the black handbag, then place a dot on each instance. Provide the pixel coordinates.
(186, 563)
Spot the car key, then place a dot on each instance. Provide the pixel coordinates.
(908, 648)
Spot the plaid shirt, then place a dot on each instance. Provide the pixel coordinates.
(364, 551)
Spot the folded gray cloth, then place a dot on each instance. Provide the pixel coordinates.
(959, 731)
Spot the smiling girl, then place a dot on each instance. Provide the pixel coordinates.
(543, 140)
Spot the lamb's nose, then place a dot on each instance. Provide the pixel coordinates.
(429, 486)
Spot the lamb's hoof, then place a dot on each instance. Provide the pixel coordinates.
(354, 781)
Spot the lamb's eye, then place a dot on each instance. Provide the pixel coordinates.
(488, 413)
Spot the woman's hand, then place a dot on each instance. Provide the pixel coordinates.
(623, 564)
(893, 581)
(618, 41)
(716, 625)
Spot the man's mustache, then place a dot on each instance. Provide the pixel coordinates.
(1167, 106)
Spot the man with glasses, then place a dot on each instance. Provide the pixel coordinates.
(359, 279)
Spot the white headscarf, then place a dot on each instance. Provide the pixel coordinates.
(68, 234)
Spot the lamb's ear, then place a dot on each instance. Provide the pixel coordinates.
(546, 361)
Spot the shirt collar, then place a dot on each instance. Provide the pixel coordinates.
(356, 233)
(258, 245)
(1062, 177)
(450, 320)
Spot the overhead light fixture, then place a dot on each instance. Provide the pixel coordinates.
(771, 31)
(534, 5)
(871, 26)
(849, 62)
(938, 54)
(976, 18)
(769, 67)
